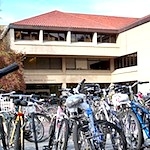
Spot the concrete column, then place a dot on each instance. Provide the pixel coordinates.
(64, 65)
(94, 40)
(41, 36)
(111, 64)
(64, 72)
(11, 35)
(64, 85)
(69, 37)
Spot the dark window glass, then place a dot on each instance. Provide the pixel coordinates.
(42, 63)
(30, 63)
(24, 34)
(106, 38)
(126, 61)
(55, 63)
(70, 63)
(54, 36)
(81, 37)
(99, 64)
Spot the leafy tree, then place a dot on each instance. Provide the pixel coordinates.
(15, 80)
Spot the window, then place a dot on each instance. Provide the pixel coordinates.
(70, 64)
(81, 37)
(42, 63)
(87, 64)
(81, 64)
(106, 38)
(99, 64)
(126, 61)
(55, 63)
(25, 34)
(30, 63)
(54, 36)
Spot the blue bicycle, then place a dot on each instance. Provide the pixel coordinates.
(88, 132)
(135, 116)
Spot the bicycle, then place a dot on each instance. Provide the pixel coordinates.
(17, 135)
(41, 119)
(59, 122)
(100, 103)
(4, 71)
(135, 117)
(89, 133)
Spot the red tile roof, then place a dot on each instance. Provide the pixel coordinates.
(76, 20)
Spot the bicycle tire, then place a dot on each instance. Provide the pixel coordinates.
(34, 131)
(77, 134)
(10, 126)
(2, 132)
(51, 134)
(41, 128)
(125, 115)
(63, 135)
(17, 138)
(105, 128)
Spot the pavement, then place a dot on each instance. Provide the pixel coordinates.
(31, 146)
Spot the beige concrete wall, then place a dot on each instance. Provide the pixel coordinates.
(137, 40)
(133, 40)
(125, 74)
(64, 49)
(71, 76)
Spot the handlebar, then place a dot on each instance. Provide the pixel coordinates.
(8, 94)
(129, 87)
(10, 68)
(139, 82)
(79, 86)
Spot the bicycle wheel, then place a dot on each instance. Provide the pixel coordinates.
(2, 133)
(51, 142)
(18, 142)
(132, 130)
(42, 127)
(80, 139)
(63, 135)
(10, 127)
(108, 136)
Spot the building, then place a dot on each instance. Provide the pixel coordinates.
(63, 48)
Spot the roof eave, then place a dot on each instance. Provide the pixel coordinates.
(75, 29)
(135, 24)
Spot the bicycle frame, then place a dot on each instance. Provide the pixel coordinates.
(59, 116)
(2, 119)
(87, 111)
(19, 117)
(136, 107)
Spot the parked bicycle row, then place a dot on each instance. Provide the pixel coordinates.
(92, 117)
(74, 117)
(22, 117)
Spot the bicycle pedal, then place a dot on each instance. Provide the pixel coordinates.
(27, 134)
(45, 148)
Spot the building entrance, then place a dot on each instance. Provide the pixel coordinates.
(43, 89)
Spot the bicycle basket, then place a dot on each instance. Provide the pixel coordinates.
(6, 104)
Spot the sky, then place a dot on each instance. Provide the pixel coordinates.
(16, 10)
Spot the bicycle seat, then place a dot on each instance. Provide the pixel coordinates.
(20, 102)
(74, 100)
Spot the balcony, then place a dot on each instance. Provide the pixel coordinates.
(67, 47)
